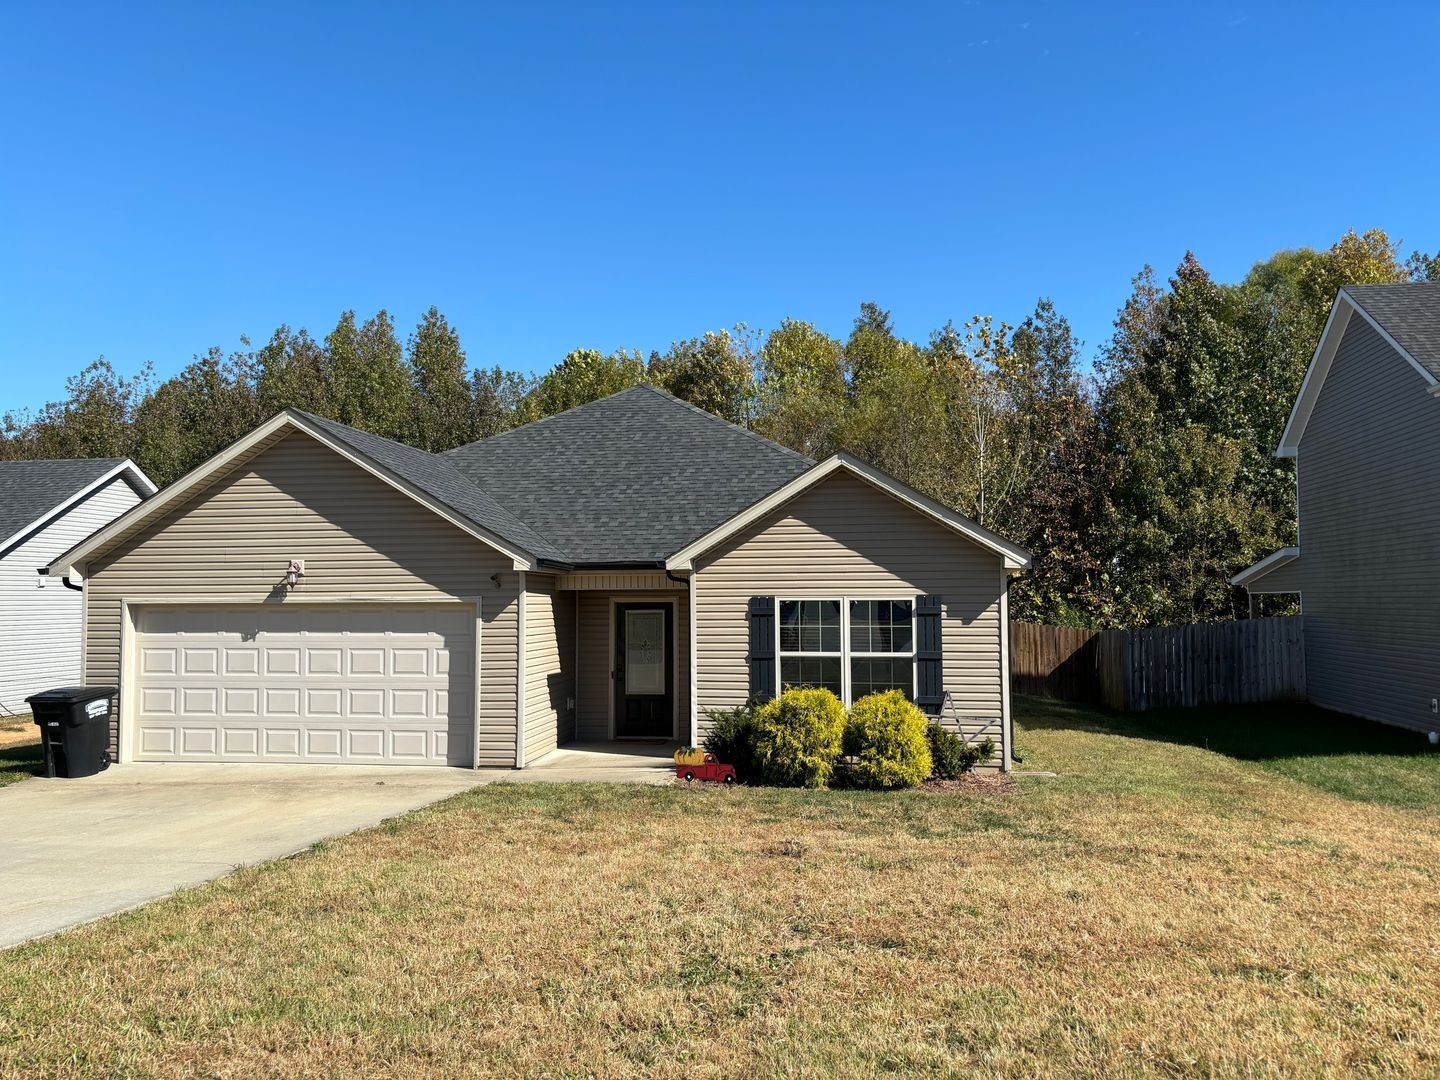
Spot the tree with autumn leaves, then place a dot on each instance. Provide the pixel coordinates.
(1139, 484)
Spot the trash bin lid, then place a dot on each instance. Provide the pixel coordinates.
(69, 695)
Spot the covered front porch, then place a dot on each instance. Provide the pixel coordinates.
(630, 664)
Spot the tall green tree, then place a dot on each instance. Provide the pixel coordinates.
(584, 375)
(195, 414)
(715, 372)
(801, 390)
(1192, 500)
(368, 379)
(96, 418)
(443, 410)
(292, 370)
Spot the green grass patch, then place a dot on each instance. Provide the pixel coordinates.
(1345, 756)
(20, 763)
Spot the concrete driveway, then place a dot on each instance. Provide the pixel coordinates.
(74, 850)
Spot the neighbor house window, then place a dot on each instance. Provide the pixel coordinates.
(850, 647)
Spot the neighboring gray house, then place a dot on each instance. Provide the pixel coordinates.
(46, 507)
(1365, 436)
(317, 593)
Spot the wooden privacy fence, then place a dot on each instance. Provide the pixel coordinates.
(1231, 663)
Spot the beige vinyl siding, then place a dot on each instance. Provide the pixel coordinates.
(565, 630)
(549, 666)
(844, 537)
(1369, 495)
(592, 712)
(620, 581)
(593, 623)
(360, 539)
(40, 628)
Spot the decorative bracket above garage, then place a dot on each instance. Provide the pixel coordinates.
(426, 478)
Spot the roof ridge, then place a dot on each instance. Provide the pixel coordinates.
(63, 460)
(728, 423)
(664, 395)
(542, 420)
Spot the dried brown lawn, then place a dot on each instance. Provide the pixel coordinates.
(1157, 909)
(18, 731)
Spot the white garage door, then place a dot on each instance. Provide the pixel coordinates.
(362, 684)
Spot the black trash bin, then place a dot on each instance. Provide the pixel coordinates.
(74, 723)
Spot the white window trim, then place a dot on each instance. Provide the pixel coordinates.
(845, 655)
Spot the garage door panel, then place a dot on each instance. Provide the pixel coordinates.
(158, 661)
(242, 661)
(282, 661)
(323, 702)
(199, 701)
(365, 683)
(367, 661)
(323, 661)
(242, 701)
(367, 704)
(199, 661)
(241, 742)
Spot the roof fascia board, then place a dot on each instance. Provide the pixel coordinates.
(1335, 325)
(214, 465)
(1273, 561)
(1014, 558)
(137, 479)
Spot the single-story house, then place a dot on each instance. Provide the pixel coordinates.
(46, 507)
(1364, 432)
(315, 593)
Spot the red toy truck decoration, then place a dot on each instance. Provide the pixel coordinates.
(692, 765)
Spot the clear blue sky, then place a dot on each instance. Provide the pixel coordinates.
(627, 175)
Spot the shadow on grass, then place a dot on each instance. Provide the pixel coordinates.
(1344, 755)
(1247, 732)
(20, 762)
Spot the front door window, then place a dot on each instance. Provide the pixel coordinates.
(645, 652)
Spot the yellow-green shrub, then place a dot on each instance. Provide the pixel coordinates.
(797, 737)
(885, 734)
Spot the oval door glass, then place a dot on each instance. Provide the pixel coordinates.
(644, 652)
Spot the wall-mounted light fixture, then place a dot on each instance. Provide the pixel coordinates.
(496, 579)
(294, 572)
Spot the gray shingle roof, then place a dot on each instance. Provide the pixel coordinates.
(28, 489)
(439, 479)
(629, 479)
(1410, 314)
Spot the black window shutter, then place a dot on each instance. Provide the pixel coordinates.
(929, 656)
(762, 648)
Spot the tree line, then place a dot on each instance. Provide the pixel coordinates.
(1139, 485)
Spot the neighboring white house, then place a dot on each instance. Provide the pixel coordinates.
(47, 507)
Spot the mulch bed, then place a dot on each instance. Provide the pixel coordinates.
(973, 784)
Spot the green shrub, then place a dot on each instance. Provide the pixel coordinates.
(952, 755)
(885, 735)
(798, 737)
(732, 740)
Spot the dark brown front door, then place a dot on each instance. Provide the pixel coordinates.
(644, 671)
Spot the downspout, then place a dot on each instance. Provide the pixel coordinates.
(44, 571)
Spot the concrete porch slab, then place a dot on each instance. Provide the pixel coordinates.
(615, 762)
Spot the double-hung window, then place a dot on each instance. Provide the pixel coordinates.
(811, 645)
(848, 646)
